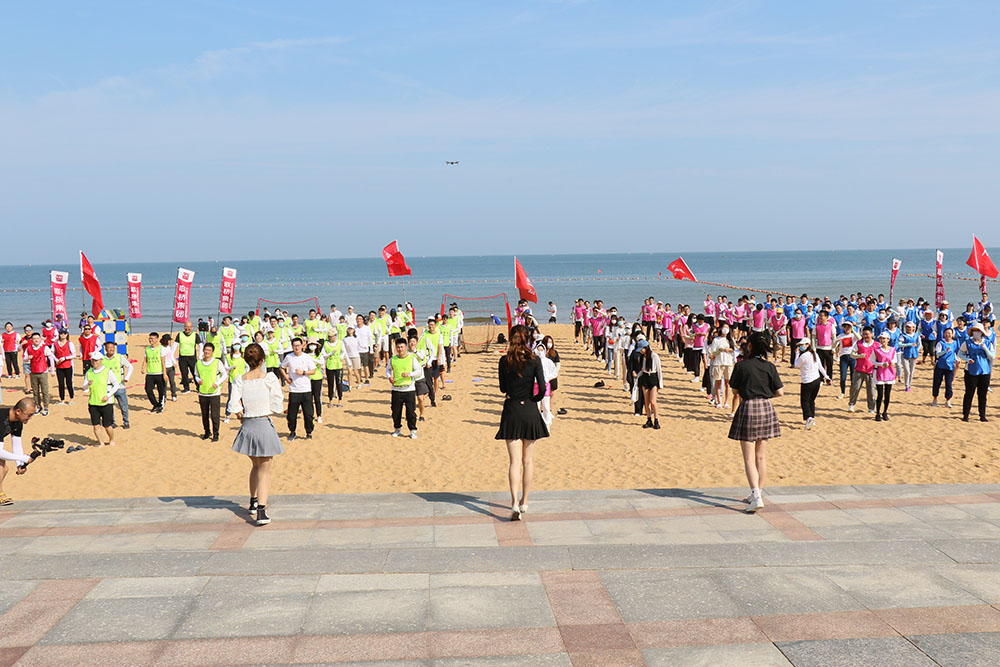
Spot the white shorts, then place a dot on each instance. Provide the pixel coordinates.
(354, 363)
(384, 344)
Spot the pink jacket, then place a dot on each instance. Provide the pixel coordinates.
(885, 374)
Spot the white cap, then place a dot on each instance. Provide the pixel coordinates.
(94, 356)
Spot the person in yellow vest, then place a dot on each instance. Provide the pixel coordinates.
(296, 328)
(403, 371)
(334, 357)
(228, 332)
(323, 329)
(102, 385)
(122, 369)
(211, 374)
(253, 322)
(215, 338)
(236, 367)
(187, 356)
(152, 367)
(311, 324)
(430, 342)
(272, 353)
(314, 351)
(383, 332)
(445, 328)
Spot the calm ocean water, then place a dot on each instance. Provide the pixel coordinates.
(619, 279)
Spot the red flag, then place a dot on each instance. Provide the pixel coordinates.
(524, 286)
(394, 261)
(939, 280)
(134, 295)
(58, 281)
(228, 294)
(680, 269)
(980, 260)
(182, 295)
(91, 284)
(895, 271)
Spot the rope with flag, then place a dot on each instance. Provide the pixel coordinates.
(394, 261)
(524, 287)
(91, 284)
(981, 262)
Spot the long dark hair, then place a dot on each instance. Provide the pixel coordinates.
(518, 352)
(727, 336)
(757, 346)
(550, 348)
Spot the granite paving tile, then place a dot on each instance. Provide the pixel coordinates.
(792, 590)
(120, 619)
(961, 650)
(142, 587)
(886, 587)
(523, 559)
(221, 615)
(931, 620)
(660, 595)
(859, 652)
(374, 611)
(744, 655)
(970, 551)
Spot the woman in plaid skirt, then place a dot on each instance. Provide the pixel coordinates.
(756, 380)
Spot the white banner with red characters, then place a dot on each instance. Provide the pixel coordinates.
(228, 295)
(182, 296)
(59, 280)
(895, 272)
(135, 295)
(939, 280)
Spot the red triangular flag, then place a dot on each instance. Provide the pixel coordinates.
(980, 260)
(394, 261)
(91, 284)
(680, 269)
(524, 286)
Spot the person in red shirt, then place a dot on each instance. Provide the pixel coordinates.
(10, 340)
(88, 345)
(49, 333)
(25, 344)
(64, 352)
(41, 363)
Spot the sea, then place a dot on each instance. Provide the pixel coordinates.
(622, 280)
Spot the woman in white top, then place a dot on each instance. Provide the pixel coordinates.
(813, 374)
(721, 353)
(169, 348)
(255, 396)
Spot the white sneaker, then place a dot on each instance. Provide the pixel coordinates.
(696, 379)
(948, 404)
(871, 412)
(523, 508)
(319, 420)
(226, 420)
(413, 435)
(850, 407)
(396, 433)
(809, 423)
(756, 502)
(840, 397)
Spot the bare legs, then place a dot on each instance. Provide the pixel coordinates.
(754, 462)
(110, 430)
(522, 469)
(652, 410)
(260, 478)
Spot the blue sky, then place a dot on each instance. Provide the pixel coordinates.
(239, 130)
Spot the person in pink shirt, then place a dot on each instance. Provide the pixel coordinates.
(825, 330)
(779, 331)
(578, 310)
(710, 310)
(884, 358)
(598, 324)
(695, 358)
(586, 324)
(667, 333)
(863, 352)
(648, 315)
(796, 332)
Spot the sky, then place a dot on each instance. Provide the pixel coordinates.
(201, 130)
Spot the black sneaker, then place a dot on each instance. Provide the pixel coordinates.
(262, 518)
(309, 436)
(656, 424)
(253, 504)
(206, 436)
(648, 424)
(983, 419)
(291, 436)
(878, 417)
(421, 419)
(885, 416)
(125, 426)
(215, 438)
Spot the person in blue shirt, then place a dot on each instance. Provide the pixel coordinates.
(970, 314)
(811, 316)
(838, 316)
(945, 353)
(961, 331)
(852, 317)
(909, 346)
(977, 352)
(880, 323)
(928, 335)
(985, 302)
(943, 322)
(912, 314)
(947, 310)
(789, 308)
(986, 316)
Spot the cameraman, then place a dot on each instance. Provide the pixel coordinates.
(12, 421)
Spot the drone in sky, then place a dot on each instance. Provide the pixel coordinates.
(453, 162)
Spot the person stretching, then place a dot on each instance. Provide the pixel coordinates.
(102, 385)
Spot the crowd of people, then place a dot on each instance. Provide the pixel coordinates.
(860, 342)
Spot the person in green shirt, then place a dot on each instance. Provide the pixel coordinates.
(102, 385)
(403, 371)
(383, 332)
(152, 367)
(316, 379)
(211, 373)
(215, 338)
(312, 322)
(334, 357)
(228, 332)
(445, 328)
(237, 367)
(187, 356)
(253, 322)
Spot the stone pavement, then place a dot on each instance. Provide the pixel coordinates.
(886, 575)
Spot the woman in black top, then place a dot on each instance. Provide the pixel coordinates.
(756, 380)
(521, 423)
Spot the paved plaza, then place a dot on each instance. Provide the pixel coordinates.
(845, 575)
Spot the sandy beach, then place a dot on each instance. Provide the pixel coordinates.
(598, 444)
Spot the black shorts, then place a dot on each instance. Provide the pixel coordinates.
(421, 388)
(647, 381)
(101, 415)
(553, 384)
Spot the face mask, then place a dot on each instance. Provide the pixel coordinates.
(725, 331)
(881, 318)
(549, 346)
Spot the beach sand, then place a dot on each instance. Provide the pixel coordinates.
(598, 444)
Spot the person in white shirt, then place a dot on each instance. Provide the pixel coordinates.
(255, 396)
(353, 352)
(813, 375)
(170, 361)
(120, 366)
(552, 313)
(721, 353)
(334, 314)
(297, 367)
(366, 342)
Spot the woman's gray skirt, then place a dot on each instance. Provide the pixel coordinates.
(258, 437)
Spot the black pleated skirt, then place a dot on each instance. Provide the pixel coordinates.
(521, 420)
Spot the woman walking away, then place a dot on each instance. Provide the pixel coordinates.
(813, 372)
(885, 375)
(521, 379)
(255, 397)
(977, 352)
(756, 381)
(945, 353)
(909, 343)
(649, 381)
